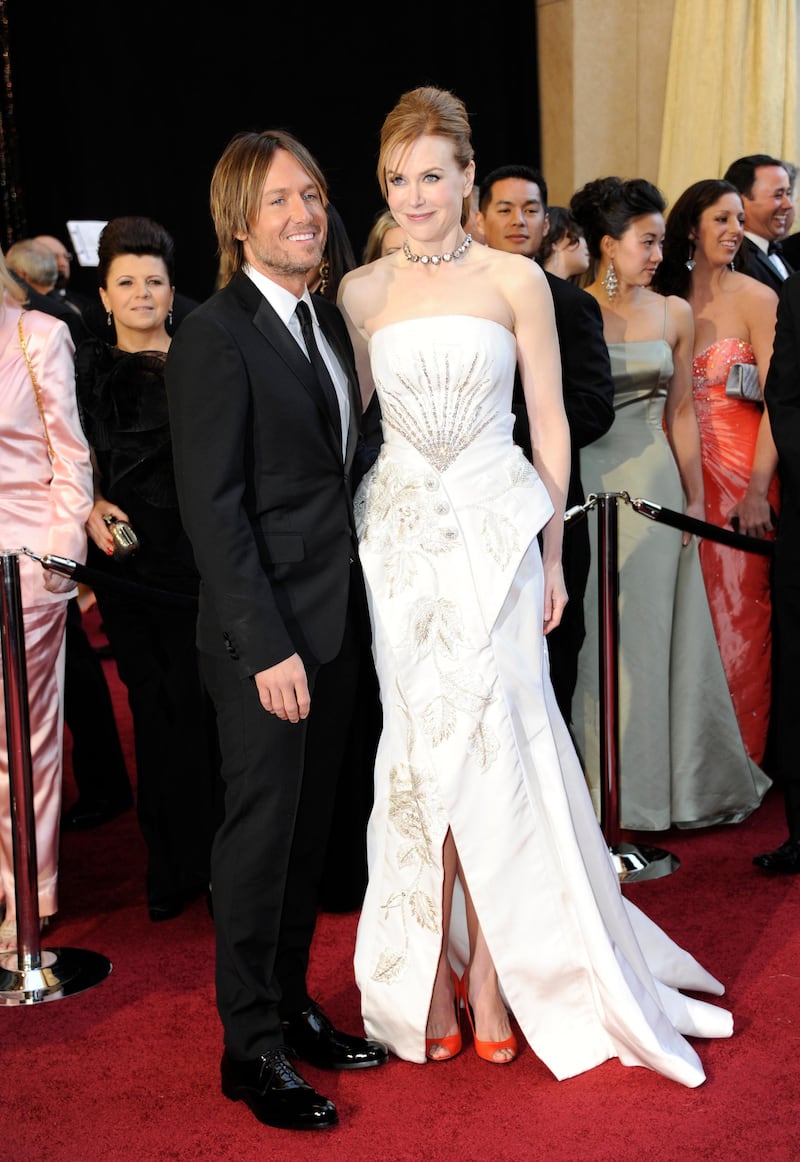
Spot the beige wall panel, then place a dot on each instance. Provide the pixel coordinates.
(602, 69)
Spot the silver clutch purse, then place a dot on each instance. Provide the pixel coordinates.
(743, 383)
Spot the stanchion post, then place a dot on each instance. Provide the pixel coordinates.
(59, 972)
(633, 861)
(23, 830)
(608, 606)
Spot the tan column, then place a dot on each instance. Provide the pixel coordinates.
(602, 79)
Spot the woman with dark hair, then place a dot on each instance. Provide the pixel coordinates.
(682, 760)
(564, 250)
(123, 408)
(734, 322)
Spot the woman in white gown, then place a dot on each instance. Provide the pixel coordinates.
(484, 850)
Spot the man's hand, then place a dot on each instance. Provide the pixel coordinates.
(283, 689)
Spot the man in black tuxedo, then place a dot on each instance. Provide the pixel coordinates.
(766, 192)
(264, 410)
(35, 268)
(782, 397)
(513, 216)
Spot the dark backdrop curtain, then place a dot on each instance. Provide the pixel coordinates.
(12, 217)
(125, 110)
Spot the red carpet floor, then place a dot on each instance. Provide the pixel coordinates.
(128, 1070)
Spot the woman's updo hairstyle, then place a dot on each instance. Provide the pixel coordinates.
(607, 206)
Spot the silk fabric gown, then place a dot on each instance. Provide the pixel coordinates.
(681, 758)
(44, 504)
(737, 583)
(473, 740)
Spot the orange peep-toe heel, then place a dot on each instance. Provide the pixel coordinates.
(487, 1049)
(452, 1043)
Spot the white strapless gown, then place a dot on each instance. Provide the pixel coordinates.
(473, 740)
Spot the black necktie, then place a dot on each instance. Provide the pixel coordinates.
(775, 248)
(320, 367)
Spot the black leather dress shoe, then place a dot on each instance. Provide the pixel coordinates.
(311, 1036)
(785, 859)
(276, 1093)
(83, 816)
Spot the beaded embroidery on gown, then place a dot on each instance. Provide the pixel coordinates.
(473, 740)
(682, 761)
(737, 583)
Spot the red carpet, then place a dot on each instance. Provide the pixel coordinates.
(128, 1070)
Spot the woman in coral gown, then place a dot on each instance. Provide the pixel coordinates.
(489, 878)
(734, 323)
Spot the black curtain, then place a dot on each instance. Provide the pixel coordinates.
(125, 111)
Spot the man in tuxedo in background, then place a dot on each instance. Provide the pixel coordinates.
(782, 398)
(35, 268)
(513, 217)
(62, 291)
(264, 410)
(767, 199)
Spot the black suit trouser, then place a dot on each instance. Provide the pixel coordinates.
(269, 851)
(786, 670)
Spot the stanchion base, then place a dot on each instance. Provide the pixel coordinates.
(634, 861)
(62, 972)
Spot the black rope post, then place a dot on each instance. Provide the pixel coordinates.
(632, 861)
(28, 975)
(608, 599)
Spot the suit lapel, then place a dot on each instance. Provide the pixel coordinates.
(278, 335)
(775, 280)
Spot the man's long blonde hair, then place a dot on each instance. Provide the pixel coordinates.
(237, 184)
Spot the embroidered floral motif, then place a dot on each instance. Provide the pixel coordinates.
(405, 526)
(415, 815)
(436, 635)
(438, 411)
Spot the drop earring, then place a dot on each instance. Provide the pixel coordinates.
(108, 318)
(690, 262)
(610, 282)
(169, 318)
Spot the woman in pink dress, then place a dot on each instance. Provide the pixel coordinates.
(45, 500)
(734, 323)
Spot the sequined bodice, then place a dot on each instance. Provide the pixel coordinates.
(444, 383)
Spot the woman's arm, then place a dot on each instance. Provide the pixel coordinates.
(753, 510)
(680, 419)
(539, 361)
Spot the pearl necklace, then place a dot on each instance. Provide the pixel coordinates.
(435, 259)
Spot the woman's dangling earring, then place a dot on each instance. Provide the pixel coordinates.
(610, 282)
(690, 262)
(324, 276)
(169, 318)
(108, 318)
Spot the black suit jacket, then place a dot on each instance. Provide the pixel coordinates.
(753, 261)
(264, 494)
(791, 250)
(585, 375)
(782, 398)
(589, 403)
(57, 308)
